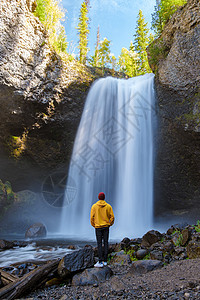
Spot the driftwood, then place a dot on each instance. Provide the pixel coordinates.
(28, 282)
(7, 278)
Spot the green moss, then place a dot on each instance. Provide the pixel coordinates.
(147, 256)
(7, 197)
(9, 193)
(179, 240)
(197, 227)
(157, 51)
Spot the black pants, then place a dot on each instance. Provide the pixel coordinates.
(102, 234)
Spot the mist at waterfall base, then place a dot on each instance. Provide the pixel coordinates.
(113, 153)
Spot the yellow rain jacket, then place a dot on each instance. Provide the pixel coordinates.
(101, 214)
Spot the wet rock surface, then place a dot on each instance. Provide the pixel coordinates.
(76, 261)
(36, 230)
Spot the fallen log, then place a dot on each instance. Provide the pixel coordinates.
(7, 278)
(29, 282)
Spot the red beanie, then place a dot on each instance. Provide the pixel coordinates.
(101, 196)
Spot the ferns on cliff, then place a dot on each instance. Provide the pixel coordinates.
(51, 14)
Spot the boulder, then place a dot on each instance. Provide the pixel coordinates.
(193, 247)
(121, 258)
(4, 245)
(186, 236)
(125, 243)
(92, 276)
(144, 266)
(36, 230)
(76, 261)
(156, 255)
(168, 247)
(150, 238)
(140, 254)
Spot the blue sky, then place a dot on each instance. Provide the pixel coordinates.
(116, 19)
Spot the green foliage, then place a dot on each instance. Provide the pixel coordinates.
(163, 13)
(147, 256)
(197, 227)
(83, 32)
(128, 60)
(104, 53)
(103, 57)
(131, 253)
(94, 60)
(141, 42)
(157, 52)
(51, 14)
(9, 193)
(7, 197)
(179, 240)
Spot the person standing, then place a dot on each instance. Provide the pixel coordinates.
(101, 218)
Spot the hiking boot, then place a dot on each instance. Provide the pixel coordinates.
(105, 263)
(98, 265)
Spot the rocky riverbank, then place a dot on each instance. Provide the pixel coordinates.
(156, 266)
(179, 280)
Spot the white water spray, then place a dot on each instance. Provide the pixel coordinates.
(113, 153)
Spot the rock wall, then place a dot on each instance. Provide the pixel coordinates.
(41, 96)
(175, 57)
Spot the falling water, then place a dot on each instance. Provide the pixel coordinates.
(113, 153)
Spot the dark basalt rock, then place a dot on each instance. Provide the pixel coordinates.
(92, 276)
(144, 266)
(36, 230)
(4, 245)
(150, 238)
(76, 261)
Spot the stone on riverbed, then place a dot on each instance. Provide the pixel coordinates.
(144, 266)
(76, 261)
(151, 237)
(92, 276)
(4, 245)
(36, 230)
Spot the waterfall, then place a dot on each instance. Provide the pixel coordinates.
(113, 153)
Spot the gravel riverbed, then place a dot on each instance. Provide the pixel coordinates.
(178, 280)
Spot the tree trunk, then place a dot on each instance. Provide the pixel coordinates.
(7, 278)
(29, 282)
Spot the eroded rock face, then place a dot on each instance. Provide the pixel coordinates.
(41, 98)
(179, 43)
(175, 57)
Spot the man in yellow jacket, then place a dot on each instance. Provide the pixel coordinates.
(101, 218)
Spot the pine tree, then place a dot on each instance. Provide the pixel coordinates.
(141, 42)
(128, 60)
(104, 53)
(83, 32)
(94, 59)
(163, 12)
(51, 14)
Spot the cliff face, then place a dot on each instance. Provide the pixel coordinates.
(175, 57)
(41, 97)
